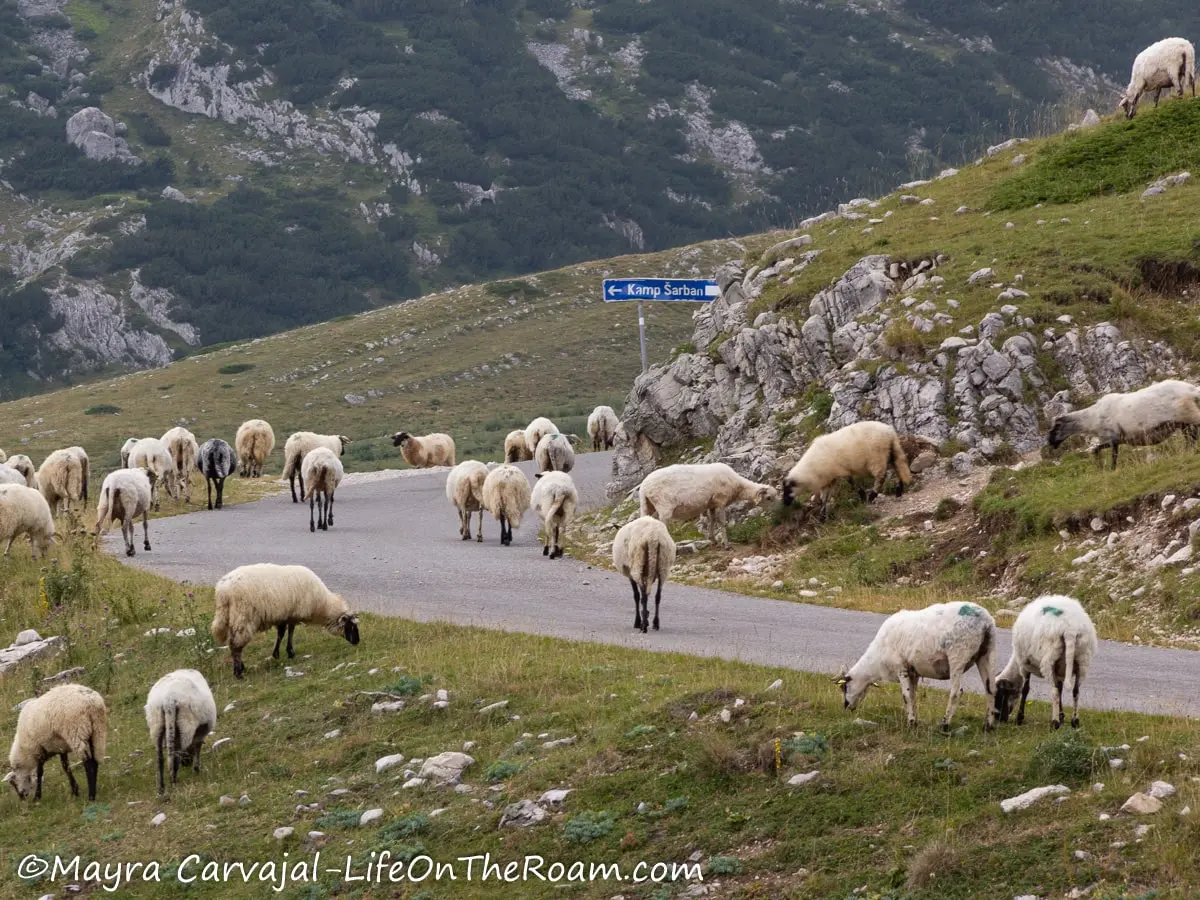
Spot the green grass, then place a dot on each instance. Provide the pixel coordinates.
(648, 782)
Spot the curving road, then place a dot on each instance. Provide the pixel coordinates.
(395, 550)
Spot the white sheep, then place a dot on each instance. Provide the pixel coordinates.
(254, 442)
(683, 492)
(180, 712)
(69, 718)
(515, 448)
(506, 496)
(1139, 418)
(3, 456)
(535, 431)
(11, 476)
(126, 449)
(25, 511)
(216, 462)
(255, 598)
(24, 465)
(464, 488)
(864, 448)
(125, 495)
(320, 474)
(555, 500)
(1053, 638)
(86, 466)
(300, 444)
(555, 454)
(425, 452)
(940, 642)
(150, 455)
(60, 479)
(602, 427)
(184, 450)
(644, 552)
(1169, 63)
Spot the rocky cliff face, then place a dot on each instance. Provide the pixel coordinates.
(758, 390)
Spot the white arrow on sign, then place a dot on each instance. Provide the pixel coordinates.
(612, 290)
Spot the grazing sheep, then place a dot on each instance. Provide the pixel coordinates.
(24, 465)
(644, 552)
(184, 450)
(11, 476)
(941, 642)
(555, 499)
(464, 488)
(69, 718)
(254, 598)
(506, 496)
(535, 431)
(254, 441)
(602, 427)
(864, 448)
(515, 448)
(60, 479)
(25, 511)
(1053, 638)
(126, 448)
(555, 453)
(1169, 63)
(425, 452)
(125, 495)
(150, 455)
(1139, 418)
(320, 474)
(3, 456)
(216, 462)
(180, 712)
(683, 492)
(85, 465)
(299, 444)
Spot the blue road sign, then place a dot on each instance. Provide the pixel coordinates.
(690, 290)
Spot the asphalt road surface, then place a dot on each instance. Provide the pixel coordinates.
(395, 550)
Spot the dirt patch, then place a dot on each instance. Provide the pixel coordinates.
(934, 486)
(1168, 277)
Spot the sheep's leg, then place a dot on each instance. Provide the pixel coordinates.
(161, 743)
(955, 692)
(291, 629)
(637, 606)
(238, 666)
(1024, 697)
(983, 665)
(292, 485)
(657, 601)
(908, 690)
(37, 795)
(279, 632)
(1075, 701)
(1056, 714)
(176, 759)
(312, 525)
(720, 530)
(645, 595)
(323, 510)
(127, 535)
(329, 510)
(1114, 455)
(10, 543)
(464, 524)
(557, 552)
(220, 492)
(208, 487)
(1157, 94)
(479, 538)
(146, 530)
(70, 777)
(91, 768)
(197, 745)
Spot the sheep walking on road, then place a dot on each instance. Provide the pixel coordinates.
(602, 428)
(555, 453)
(320, 475)
(60, 479)
(183, 449)
(150, 454)
(506, 496)
(535, 431)
(216, 462)
(644, 552)
(299, 445)
(425, 452)
(1169, 63)
(464, 488)
(125, 495)
(554, 498)
(515, 448)
(254, 441)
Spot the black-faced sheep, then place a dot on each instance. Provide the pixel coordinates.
(255, 598)
(180, 712)
(254, 441)
(183, 449)
(1169, 63)
(554, 499)
(644, 552)
(216, 462)
(150, 455)
(24, 465)
(60, 479)
(69, 718)
(535, 431)
(25, 511)
(1139, 418)
(464, 488)
(300, 444)
(1053, 638)
(940, 642)
(515, 448)
(320, 474)
(125, 495)
(683, 492)
(602, 427)
(506, 496)
(555, 453)
(425, 452)
(864, 448)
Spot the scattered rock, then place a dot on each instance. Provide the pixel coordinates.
(158, 820)
(221, 742)
(804, 778)
(775, 685)
(1161, 790)
(227, 800)
(1027, 799)
(388, 762)
(492, 707)
(387, 706)
(414, 783)
(282, 834)
(369, 817)
(1141, 805)
(446, 768)
(28, 636)
(554, 797)
(981, 275)
(522, 814)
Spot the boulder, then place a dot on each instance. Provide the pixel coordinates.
(446, 768)
(95, 133)
(522, 814)
(1142, 805)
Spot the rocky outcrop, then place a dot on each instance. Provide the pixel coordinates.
(95, 133)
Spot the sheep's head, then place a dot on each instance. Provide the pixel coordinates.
(1006, 695)
(345, 625)
(1127, 105)
(22, 781)
(852, 689)
(765, 494)
(1059, 431)
(793, 485)
(400, 438)
(343, 440)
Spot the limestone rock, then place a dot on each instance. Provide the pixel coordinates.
(1027, 799)
(446, 768)
(522, 814)
(95, 133)
(1142, 805)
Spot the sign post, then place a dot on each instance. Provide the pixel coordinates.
(680, 290)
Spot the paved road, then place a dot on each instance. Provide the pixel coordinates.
(395, 550)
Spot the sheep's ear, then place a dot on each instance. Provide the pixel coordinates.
(8, 778)
(842, 680)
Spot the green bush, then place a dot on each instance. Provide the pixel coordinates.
(587, 827)
(235, 368)
(103, 409)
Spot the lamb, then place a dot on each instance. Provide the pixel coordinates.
(25, 511)
(125, 495)
(1053, 637)
(644, 552)
(555, 499)
(126, 448)
(150, 455)
(180, 712)
(60, 479)
(320, 474)
(184, 450)
(683, 492)
(535, 431)
(254, 441)
(555, 453)
(425, 452)
(464, 488)
(506, 496)
(602, 428)
(216, 462)
(1169, 63)
(941, 641)
(300, 444)
(864, 448)
(1139, 418)
(254, 598)
(69, 718)
(24, 465)
(515, 448)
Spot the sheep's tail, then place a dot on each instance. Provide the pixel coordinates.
(98, 740)
(85, 464)
(639, 565)
(170, 714)
(556, 508)
(103, 507)
(291, 465)
(220, 625)
(899, 461)
(1069, 640)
